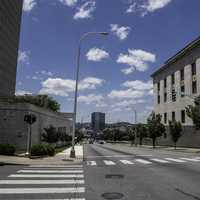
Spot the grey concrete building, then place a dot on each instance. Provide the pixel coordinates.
(176, 83)
(13, 129)
(98, 121)
(10, 21)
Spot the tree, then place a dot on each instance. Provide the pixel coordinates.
(79, 135)
(175, 129)
(51, 135)
(131, 134)
(155, 127)
(193, 112)
(141, 132)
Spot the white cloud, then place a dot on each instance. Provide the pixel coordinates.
(62, 87)
(69, 2)
(147, 6)
(46, 73)
(22, 92)
(126, 94)
(138, 85)
(137, 58)
(86, 10)
(126, 103)
(28, 5)
(121, 32)
(24, 57)
(127, 71)
(96, 54)
(91, 98)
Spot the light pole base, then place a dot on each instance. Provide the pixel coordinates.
(72, 154)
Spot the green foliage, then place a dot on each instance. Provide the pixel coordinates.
(175, 129)
(43, 101)
(42, 150)
(141, 131)
(7, 149)
(64, 137)
(193, 112)
(79, 136)
(155, 127)
(50, 135)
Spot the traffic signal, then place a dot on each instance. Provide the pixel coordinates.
(30, 118)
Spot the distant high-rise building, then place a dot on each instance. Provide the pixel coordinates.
(98, 121)
(10, 21)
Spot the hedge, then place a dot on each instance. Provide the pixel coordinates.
(42, 150)
(7, 149)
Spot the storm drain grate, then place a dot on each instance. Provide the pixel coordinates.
(114, 176)
(112, 195)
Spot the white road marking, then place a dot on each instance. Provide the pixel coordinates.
(41, 182)
(46, 175)
(175, 160)
(91, 163)
(64, 190)
(109, 162)
(191, 159)
(52, 171)
(63, 199)
(143, 161)
(56, 166)
(113, 156)
(127, 162)
(159, 160)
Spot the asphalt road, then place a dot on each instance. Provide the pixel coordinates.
(129, 173)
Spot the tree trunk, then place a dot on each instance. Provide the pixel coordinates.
(154, 143)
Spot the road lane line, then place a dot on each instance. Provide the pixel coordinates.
(91, 163)
(126, 162)
(159, 160)
(175, 160)
(143, 161)
(190, 159)
(40, 182)
(64, 190)
(109, 162)
(46, 176)
(51, 171)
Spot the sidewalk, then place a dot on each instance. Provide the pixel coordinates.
(61, 158)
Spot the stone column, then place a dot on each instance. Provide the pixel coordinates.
(198, 75)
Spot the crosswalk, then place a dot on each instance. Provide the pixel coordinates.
(143, 161)
(63, 182)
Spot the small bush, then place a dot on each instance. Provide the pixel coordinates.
(7, 149)
(42, 150)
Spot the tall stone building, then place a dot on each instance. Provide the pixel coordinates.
(10, 20)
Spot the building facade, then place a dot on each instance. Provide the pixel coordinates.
(176, 84)
(10, 21)
(98, 121)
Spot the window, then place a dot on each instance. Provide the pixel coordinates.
(173, 79)
(182, 91)
(173, 116)
(182, 75)
(194, 87)
(158, 86)
(165, 97)
(194, 68)
(165, 83)
(158, 100)
(165, 118)
(173, 95)
(183, 116)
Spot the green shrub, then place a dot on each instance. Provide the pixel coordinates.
(7, 149)
(42, 150)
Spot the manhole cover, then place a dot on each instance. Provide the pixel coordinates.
(114, 176)
(113, 195)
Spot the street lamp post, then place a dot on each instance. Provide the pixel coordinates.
(72, 153)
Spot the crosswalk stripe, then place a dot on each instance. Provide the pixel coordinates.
(190, 159)
(127, 162)
(56, 166)
(175, 160)
(41, 182)
(159, 160)
(51, 171)
(64, 199)
(42, 190)
(46, 175)
(109, 162)
(143, 161)
(91, 163)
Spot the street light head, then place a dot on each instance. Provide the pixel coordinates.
(104, 33)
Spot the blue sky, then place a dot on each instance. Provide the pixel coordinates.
(115, 70)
